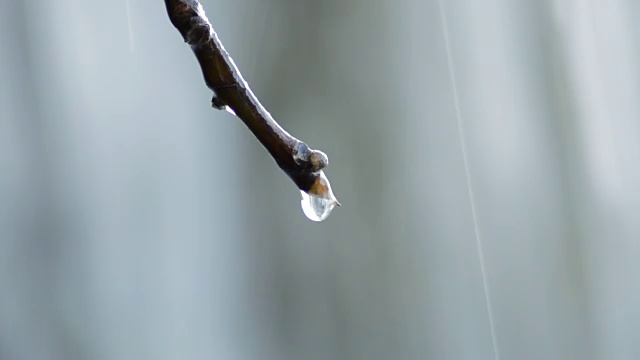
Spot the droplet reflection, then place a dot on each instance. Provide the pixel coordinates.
(318, 202)
(316, 208)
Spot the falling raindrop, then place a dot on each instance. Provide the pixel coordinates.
(131, 44)
(319, 201)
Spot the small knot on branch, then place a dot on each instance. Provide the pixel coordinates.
(318, 160)
(313, 160)
(198, 34)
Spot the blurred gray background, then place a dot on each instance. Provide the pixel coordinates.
(138, 223)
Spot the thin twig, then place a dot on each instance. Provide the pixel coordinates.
(294, 157)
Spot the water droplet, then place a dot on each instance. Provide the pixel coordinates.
(319, 201)
(316, 208)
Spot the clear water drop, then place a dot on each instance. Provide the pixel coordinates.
(316, 208)
(319, 201)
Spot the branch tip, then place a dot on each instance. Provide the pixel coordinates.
(303, 165)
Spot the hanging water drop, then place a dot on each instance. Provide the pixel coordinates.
(316, 208)
(319, 201)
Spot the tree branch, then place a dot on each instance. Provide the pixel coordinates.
(294, 157)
